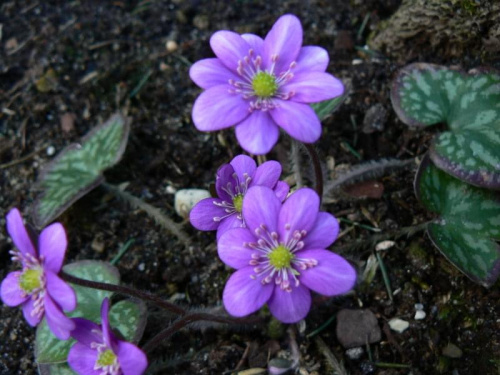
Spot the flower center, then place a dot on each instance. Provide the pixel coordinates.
(238, 202)
(106, 358)
(280, 257)
(264, 85)
(30, 280)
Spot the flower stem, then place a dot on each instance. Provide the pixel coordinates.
(317, 168)
(191, 318)
(145, 296)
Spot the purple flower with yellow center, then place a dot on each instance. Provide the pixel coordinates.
(98, 352)
(281, 255)
(261, 85)
(232, 182)
(37, 287)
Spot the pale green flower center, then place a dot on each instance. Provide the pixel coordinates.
(280, 257)
(264, 85)
(106, 358)
(30, 280)
(238, 203)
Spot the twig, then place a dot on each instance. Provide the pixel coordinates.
(337, 367)
(152, 211)
(23, 159)
(317, 169)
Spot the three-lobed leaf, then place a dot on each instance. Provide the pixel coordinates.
(469, 103)
(468, 228)
(78, 168)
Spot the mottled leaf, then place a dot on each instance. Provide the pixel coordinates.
(78, 169)
(468, 228)
(48, 348)
(55, 369)
(425, 94)
(470, 155)
(128, 317)
(327, 107)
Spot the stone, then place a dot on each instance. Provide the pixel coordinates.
(398, 325)
(452, 351)
(185, 199)
(357, 328)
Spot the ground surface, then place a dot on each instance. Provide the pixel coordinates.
(102, 56)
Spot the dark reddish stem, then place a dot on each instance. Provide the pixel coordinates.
(317, 168)
(191, 318)
(145, 296)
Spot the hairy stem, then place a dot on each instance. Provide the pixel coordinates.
(152, 211)
(145, 296)
(317, 168)
(191, 318)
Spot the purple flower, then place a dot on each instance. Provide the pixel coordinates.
(232, 182)
(281, 255)
(98, 352)
(37, 287)
(259, 85)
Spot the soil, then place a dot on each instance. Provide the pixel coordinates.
(66, 66)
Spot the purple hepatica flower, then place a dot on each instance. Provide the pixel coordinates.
(232, 182)
(281, 255)
(99, 352)
(37, 287)
(260, 85)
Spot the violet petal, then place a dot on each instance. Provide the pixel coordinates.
(203, 213)
(312, 58)
(82, 359)
(332, 276)
(85, 332)
(107, 335)
(207, 73)
(243, 164)
(323, 233)
(283, 40)
(311, 87)
(290, 307)
(19, 234)
(243, 295)
(298, 119)
(232, 250)
(255, 42)
(217, 108)
(258, 133)
(229, 47)
(28, 308)
(60, 325)
(60, 291)
(267, 174)
(261, 207)
(225, 183)
(10, 291)
(132, 360)
(281, 190)
(230, 222)
(298, 213)
(52, 244)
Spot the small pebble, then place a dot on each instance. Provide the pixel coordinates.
(354, 353)
(357, 62)
(419, 306)
(420, 314)
(185, 199)
(452, 351)
(398, 325)
(51, 150)
(384, 245)
(171, 45)
(141, 267)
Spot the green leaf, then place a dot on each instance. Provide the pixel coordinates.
(55, 369)
(48, 348)
(128, 317)
(470, 155)
(468, 226)
(325, 108)
(78, 168)
(425, 94)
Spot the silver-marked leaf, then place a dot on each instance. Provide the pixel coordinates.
(78, 169)
(55, 369)
(470, 155)
(325, 108)
(425, 94)
(468, 228)
(48, 348)
(129, 317)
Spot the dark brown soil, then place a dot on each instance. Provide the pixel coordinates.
(98, 53)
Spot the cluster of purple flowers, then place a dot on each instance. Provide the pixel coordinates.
(277, 245)
(42, 293)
